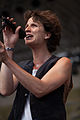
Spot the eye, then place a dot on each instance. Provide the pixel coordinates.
(34, 25)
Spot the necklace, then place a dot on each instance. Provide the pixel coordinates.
(36, 66)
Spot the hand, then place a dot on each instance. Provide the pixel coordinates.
(3, 54)
(10, 38)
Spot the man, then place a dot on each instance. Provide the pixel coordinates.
(42, 84)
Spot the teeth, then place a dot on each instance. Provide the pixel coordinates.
(28, 35)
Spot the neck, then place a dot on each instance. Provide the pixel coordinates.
(40, 56)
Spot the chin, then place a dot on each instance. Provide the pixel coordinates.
(28, 42)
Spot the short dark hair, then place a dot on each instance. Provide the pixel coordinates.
(51, 24)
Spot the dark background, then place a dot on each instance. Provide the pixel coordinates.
(68, 12)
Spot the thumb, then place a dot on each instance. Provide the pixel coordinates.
(17, 29)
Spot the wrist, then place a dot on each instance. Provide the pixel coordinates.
(9, 51)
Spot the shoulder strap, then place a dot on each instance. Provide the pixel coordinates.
(47, 66)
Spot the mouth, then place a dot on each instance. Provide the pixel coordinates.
(29, 36)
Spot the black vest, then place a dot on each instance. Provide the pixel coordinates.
(48, 107)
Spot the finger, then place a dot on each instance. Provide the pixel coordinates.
(6, 28)
(14, 23)
(11, 19)
(1, 44)
(2, 23)
(8, 18)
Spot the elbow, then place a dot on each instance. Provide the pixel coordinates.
(41, 90)
(40, 93)
(4, 93)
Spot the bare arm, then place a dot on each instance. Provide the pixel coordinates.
(8, 81)
(53, 79)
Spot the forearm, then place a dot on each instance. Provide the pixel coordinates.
(7, 82)
(6, 78)
(30, 82)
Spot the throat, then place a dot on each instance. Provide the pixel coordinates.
(40, 60)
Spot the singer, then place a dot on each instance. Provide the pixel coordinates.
(42, 84)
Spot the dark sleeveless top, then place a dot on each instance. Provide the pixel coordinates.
(48, 107)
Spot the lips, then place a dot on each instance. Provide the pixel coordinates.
(29, 36)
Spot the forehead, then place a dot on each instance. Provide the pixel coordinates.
(32, 20)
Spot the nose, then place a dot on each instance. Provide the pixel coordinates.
(28, 29)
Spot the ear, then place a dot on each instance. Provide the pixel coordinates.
(47, 35)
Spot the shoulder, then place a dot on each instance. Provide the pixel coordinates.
(64, 60)
(64, 63)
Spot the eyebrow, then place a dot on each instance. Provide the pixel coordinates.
(32, 24)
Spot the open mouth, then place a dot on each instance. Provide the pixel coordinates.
(29, 36)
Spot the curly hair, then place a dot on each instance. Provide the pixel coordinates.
(51, 24)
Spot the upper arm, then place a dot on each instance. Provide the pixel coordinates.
(57, 75)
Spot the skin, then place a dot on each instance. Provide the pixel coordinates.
(61, 71)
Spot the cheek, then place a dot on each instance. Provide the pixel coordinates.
(42, 34)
